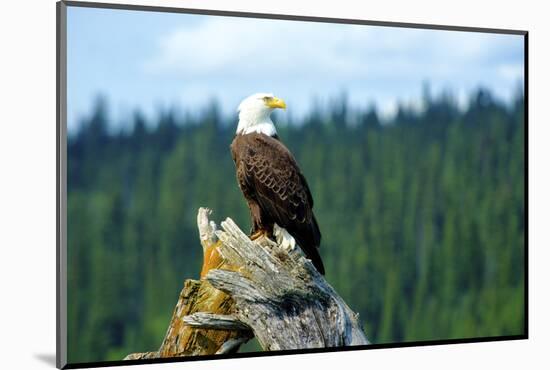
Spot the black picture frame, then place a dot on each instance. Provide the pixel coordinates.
(61, 174)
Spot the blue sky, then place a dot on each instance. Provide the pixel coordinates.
(152, 61)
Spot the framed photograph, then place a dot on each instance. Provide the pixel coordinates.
(236, 184)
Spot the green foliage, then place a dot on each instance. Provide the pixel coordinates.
(422, 219)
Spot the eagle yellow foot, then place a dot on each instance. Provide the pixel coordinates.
(257, 234)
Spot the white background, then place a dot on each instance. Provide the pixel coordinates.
(27, 193)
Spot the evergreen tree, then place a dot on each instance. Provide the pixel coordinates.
(422, 217)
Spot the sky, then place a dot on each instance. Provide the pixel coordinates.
(152, 61)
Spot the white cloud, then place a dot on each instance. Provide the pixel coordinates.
(186, 60)
(245, 46)
(222, 46)
(229, 58)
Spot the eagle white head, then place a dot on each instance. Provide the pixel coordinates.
(254, 114)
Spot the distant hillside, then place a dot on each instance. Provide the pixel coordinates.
(422, 219)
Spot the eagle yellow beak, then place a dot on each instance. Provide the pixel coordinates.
(275, 103)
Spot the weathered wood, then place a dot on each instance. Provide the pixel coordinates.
(214, 321)
(281, 296)
(142, 355)
(257, 287)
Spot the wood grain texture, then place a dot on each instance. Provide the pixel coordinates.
(281, 296)
(255, 288)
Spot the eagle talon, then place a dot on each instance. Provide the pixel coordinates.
(257, 234)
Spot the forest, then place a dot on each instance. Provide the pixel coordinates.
(422, 216)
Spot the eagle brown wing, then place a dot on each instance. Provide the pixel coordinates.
(268, 173)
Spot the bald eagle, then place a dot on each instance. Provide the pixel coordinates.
(270, 178)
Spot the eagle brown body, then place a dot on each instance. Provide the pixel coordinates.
(276, 191)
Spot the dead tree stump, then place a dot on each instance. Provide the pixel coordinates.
(254, 288)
